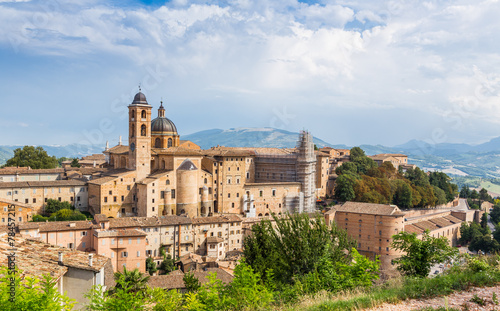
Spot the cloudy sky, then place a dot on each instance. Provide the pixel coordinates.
(351, 72)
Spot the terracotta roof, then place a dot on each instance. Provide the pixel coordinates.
(413, 229)
(38, 184)
(133, 222)
(119, 233)
(100, 218)
(51, 226)
(16, 203)
(369, 208)
(216, 219)
(229, 151)
(102, 180)
(453, 219)
(178, 151)
(426, 225)
(175, 281)
(26, 170)
(214, 239)
(119, 149)
(95, 156)
(37, 258)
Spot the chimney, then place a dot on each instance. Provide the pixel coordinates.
(120, 141)
(60, 259)
(107, 145)
(72, 224)
(90, 259)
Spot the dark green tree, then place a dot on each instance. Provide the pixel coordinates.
(484, 221)
(191, 282)
(421, 254)
(151, 266)
(465, 192)
(402, 194)
(133, 280)
(168, 263)
(75, 163)
(495, 214)
(484, 195)
(53, 206)
(34, 157)
(344, 187)
(294, 246)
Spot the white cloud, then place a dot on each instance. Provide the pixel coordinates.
(374, 55)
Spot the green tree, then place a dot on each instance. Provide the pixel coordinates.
(465, 192)
(53, 206)
(440, 195)
(32, 293)
(402, 194)
(191, 282)
(75, 163)
(294, 246)
(124, 296)
(495, 214)
(344, 187)
(132, 280)
(168, 263)
(67, 214)
(484, 221)
(356, 153)
(420, 255)
(247, 291)
(484, 195)
(36, 158)
(151, 266)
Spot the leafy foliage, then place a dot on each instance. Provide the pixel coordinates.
(168, 263)
(75, 163)
(151, 266)
(420, 255)
(34, 157)
(362, 180)
(131, 280)
(53, 206)
(32, 293)
(191, 283)
(295, 246)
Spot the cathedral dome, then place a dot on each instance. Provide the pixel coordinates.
(162, 125)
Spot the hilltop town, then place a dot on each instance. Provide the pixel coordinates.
(163, 196)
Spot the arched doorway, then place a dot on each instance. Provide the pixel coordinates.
(216, 208)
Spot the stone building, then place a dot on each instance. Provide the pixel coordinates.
(36, 193)
(216, 235)
(18, 211)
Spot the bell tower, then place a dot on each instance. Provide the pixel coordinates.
(139, 137)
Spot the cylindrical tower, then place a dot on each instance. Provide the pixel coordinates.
(187, 189)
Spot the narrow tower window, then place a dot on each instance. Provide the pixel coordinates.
(143, 130)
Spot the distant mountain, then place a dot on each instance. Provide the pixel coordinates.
(248, 137)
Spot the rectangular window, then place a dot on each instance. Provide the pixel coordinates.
(84, 233)
(114, 199)
(34, 200)
(84, 244)
(173, 193)
(124, 254)
(105, 199)
(78, 199)
(138, 253)
(128, 187)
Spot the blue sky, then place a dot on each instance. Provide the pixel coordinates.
(351, 72)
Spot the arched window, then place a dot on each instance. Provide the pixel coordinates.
(132, 131)
(168, 180)
(143, 130)
(169, 142)
(132, 112)
(205, 181)
(163, 167)
(157, 143)
(143, 114)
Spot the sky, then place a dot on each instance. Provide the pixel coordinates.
(350, 72)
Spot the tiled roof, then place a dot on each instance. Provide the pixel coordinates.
(52, 226)
(178, 151)
(119, 149)
(453, 219)
(134, 222)
(37, 258)
(26, 170)
(119, 233)
(17, 204)
(413, 229)
(175, 281)
(369, 208)
(214, 239)
(48, 183)
(216, 219)
(426, 225)
(229, 151)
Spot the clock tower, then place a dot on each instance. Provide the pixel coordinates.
(139, 137)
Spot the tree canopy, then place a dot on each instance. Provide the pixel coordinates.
(34, 157)
(421, 254)
(362, 180)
